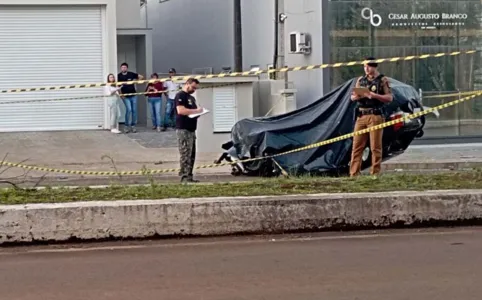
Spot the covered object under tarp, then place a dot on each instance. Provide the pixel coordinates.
(331, 116)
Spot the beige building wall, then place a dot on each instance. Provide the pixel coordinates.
(128, 14)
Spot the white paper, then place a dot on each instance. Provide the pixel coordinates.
(205, 111)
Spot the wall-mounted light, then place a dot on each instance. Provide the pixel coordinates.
(282, 17)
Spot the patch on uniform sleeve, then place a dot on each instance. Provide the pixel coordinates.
(386, 83)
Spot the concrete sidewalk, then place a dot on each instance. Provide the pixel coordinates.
(438, 157)
(234, 215)
(84, 150)
(90, 151)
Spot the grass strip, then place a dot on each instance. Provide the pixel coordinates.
(261, 187)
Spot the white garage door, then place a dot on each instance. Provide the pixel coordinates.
(51, 46)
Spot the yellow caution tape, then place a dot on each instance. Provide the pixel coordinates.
(452, 95)
(72, 98)
(103, 96)
(315, 145)
(246, 73)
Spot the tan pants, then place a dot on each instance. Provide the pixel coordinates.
(360, 141)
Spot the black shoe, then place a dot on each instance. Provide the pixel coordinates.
(186, 179)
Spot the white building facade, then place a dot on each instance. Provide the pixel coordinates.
(203, 42)
(193, 36)
(60, 43)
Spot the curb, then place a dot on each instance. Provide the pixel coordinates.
(91, 221)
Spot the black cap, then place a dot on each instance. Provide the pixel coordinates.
(172, 70)
(372, 64)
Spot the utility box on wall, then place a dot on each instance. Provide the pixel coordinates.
(299, 43)
(289, 99)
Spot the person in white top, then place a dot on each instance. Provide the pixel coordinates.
(172, 89)
(112, 96)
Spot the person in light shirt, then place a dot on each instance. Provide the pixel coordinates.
(172, 89)
(111, 92)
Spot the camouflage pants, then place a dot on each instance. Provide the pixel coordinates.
(187, 149)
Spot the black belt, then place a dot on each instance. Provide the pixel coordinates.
(371, 111)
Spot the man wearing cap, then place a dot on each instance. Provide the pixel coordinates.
(172, 89)
(369, 112)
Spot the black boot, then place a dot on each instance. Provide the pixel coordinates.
(188, 179)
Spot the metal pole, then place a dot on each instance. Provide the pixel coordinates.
(457, 114)
(238, 38)
(275, 54)
(281, 40)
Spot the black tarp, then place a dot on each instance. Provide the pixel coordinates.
(331, 116)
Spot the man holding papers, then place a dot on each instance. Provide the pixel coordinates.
(186, 125)
(371, 93)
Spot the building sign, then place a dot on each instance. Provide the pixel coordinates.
(423, 20)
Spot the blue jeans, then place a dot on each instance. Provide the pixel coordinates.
(131, 110)
(169, 119)
(155, 104)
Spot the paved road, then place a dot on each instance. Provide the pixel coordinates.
(442, 265)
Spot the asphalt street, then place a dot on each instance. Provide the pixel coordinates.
(435, 264)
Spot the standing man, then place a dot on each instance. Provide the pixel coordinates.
(370, 113)
(129, 101)
(186, 128)
(172, 89)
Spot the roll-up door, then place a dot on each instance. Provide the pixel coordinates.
(51, 46)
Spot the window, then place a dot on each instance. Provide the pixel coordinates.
(224, 106)
(415, 27)
(409, 27)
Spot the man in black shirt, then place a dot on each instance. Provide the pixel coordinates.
(186, 128)
(129, 101)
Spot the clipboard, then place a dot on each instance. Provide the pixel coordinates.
(361, 91)
(205, 111)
